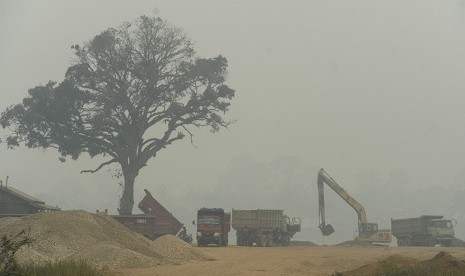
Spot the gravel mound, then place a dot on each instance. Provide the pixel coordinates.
(443, 261)
(8, 220)
(96, 238)
(355, 243)
(441, 264)
(177, 250)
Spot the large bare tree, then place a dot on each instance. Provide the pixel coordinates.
(131, 92)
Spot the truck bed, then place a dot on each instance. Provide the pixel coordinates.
(142, 224)
(416, 225)
(256, 219)
(165, 222)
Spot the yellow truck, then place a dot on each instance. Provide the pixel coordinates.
(264, 227)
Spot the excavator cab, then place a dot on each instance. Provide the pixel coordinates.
(368, 229)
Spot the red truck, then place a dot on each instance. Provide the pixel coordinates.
(155, 222)
(213, 226)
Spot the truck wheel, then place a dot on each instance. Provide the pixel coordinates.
(285, 240)
(262, 240)
(446, 243)
(269, 241)
(431, 241)
(407, 242)
(404, 241)
(240, 241)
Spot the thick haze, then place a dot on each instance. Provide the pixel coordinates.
(372, 91)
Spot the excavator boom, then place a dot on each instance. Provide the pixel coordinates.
(367, 231)
(323, 177)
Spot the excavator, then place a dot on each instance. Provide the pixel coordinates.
(368, 232)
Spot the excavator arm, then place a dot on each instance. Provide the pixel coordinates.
(367, 232)
(327, 229)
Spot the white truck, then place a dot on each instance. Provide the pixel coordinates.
(426, 230)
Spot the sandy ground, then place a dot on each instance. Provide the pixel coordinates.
(293, 260)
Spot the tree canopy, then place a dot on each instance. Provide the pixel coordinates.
(131, 92)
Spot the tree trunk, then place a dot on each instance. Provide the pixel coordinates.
(126, 203)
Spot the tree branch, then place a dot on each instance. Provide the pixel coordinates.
(101, 166)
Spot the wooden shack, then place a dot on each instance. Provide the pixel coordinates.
(16, 203)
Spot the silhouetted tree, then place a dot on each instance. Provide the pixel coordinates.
(131, 92)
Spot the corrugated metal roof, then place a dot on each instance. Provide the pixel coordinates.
(45, 206)
(20, 194)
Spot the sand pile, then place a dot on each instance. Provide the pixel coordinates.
(445, 262)
(355, 243)
(441, 264)
(176, 250)
(96, 238)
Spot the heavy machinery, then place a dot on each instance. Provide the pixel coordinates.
(154, 223)
(367, 231)
(425, 230)
(264, 227)
(213, 226)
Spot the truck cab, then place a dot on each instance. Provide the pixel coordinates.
(213, 226)
(442, 229)
(293, 225)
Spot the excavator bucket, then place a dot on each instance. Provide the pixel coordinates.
(327, 229)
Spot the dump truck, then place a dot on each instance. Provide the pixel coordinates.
(142, 224)
(155, 222)
(264, 227)
(426, 230)
(367, 231)
(213, 226)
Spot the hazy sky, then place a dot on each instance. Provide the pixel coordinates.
(350, 86)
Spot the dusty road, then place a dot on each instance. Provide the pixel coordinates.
(293, 260)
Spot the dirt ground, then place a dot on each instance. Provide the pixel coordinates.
(292, 260)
